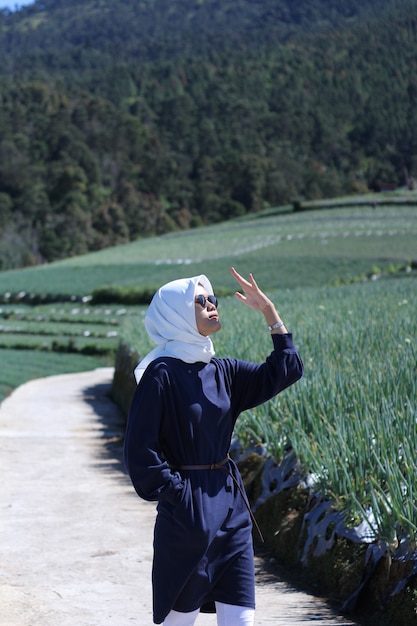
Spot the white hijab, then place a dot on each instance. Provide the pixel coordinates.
(171, 323)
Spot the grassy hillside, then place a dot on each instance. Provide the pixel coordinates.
(286, 250)
(314, 249)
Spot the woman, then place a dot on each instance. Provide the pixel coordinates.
(176, 450)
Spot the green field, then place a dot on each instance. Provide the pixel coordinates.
(38, 341)
(286, 250)
(20, 366)
(344, 281)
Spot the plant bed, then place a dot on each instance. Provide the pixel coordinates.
(343, 574)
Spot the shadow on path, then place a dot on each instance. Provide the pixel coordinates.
(113, 425)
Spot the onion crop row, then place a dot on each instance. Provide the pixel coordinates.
(352, 419)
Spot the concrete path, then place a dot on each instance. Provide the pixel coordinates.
(76, 541)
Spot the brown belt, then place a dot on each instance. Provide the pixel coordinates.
(221, 465)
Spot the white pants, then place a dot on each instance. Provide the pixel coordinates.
(227, 615)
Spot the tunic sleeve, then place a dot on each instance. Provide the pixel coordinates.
(149, 472)
(255, 383)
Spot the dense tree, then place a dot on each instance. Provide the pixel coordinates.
(125, 119)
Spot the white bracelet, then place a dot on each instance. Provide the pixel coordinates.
(276, 325)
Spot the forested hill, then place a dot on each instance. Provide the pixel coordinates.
(157, 29)
(122, 119)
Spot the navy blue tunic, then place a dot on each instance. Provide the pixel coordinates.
(184, 414)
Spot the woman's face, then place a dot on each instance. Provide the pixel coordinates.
(207, 318)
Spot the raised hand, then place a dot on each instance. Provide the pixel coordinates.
(253, 296)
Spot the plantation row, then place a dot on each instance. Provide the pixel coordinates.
(284, 249)
(82, 329)
(43, 340)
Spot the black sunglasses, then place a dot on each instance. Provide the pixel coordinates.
(202, 300)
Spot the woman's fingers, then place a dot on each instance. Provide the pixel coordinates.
(242, 281)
